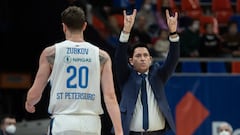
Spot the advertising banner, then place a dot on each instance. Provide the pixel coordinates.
(200, 103)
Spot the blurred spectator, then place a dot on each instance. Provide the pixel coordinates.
(184, 21)
(112, 37)
(139, 32)
(101, 8)
(8, 125)
(153, 31)
(225, 129)
(161, 46)
(161, 20)
(231, 41)
(190, 38)
(148, 10)
(210, 42)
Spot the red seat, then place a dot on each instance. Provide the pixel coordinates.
(223, 10)
(238, 6)
(221, 5)
(235, 67)
(98, 24)
(119, 18)
(192, 8)
(172, 4)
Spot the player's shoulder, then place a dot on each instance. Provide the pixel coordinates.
(103, 53)
(49, 50)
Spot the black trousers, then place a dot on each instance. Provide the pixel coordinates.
(159, 132)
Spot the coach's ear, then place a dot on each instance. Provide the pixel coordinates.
(130, 61)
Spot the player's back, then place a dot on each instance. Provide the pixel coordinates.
(75, 79)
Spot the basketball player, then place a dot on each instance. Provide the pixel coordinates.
(75, 69)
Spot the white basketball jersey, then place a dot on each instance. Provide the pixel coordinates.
(75, 79)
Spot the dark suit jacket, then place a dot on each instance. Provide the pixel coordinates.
(129, 82)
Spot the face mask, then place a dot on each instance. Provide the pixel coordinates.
(195, 26)
(224, 133)
(11, 129)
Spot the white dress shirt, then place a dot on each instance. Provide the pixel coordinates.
(156, 118)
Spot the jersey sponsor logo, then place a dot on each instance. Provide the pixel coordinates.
(69, 59)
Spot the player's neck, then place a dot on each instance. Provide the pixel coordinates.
(75, 37)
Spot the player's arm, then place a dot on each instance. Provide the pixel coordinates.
(35, 92)
(110, 98)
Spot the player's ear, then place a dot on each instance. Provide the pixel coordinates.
(84, 26)
(64, 27)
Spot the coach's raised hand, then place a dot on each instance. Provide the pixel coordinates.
(172, 21)
(129, 21)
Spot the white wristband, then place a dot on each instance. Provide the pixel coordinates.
(175, 39)
(124, 37)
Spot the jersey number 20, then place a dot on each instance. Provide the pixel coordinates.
(80, 73)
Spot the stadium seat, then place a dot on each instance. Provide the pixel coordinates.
(98, 24)
(119, 18)
(235, 66)
(191, 67)
(192, 8)
(238, 6)
(172, 4)
(216, 67)
(222, 10)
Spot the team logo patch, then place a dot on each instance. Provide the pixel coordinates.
(67, 59)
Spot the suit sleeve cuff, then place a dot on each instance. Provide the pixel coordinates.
(124, 37)
(175, 39)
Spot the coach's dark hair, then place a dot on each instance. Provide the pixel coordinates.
(74, 17)
(136, 45)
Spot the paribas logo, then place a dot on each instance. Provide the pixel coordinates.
(67, 59)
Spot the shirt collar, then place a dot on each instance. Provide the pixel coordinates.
(144, 73)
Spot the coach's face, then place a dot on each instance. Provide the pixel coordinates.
(141, 59)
